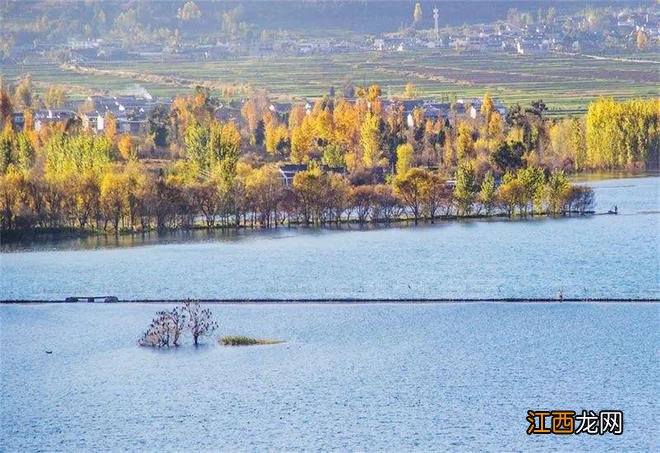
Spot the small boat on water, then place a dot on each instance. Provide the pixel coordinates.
(614, 210)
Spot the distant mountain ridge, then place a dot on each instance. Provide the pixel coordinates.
(306, 16)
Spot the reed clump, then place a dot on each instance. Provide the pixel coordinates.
(245, 341)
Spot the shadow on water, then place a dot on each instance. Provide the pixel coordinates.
(91, 241)
(201, 348)
(613, 175)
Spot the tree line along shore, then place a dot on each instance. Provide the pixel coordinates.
(336, 160)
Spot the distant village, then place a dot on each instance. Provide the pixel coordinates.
(131, 115)
(519, 33)
(567, 34)
(131, 112)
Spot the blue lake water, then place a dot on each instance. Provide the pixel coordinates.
(394, 377)
(349, 377)
(596, 256)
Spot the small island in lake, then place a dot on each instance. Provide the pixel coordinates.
(168, 329)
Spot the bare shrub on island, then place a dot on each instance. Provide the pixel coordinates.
(200, 321)
(160, 333)
(168, 327)
(178, 320)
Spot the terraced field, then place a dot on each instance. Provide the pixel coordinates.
(567, 83)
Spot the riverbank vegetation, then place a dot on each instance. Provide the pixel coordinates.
(362, 160)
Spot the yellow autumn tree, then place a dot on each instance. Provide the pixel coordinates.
(109, 125)
(417, 14)
(297, 115)
(301, 137)
(567, 143)
(642, 40)
(276, 137)
(189, 11)
(112, 197)
(126, 147)
(324, 127)
(621, 134)
(55, 97)
(464, 141)
(347, 123)
(487, 107)
(410, 91)
(495, 127)
(404, 156)
(370, 140)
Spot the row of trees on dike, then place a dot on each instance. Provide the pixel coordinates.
(130, 197)
(227, 174)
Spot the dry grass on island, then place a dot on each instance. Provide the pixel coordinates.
(245, 341)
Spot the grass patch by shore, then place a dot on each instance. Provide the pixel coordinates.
(245, 341)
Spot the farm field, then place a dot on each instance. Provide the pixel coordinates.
(567, 83)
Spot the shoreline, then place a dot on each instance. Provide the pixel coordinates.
(60, 235)
(336, 301)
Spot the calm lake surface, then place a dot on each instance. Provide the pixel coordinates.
(349, 377)
(394, 377)
(596, 256)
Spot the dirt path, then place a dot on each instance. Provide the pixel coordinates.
(173, 81)
(619, 59)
